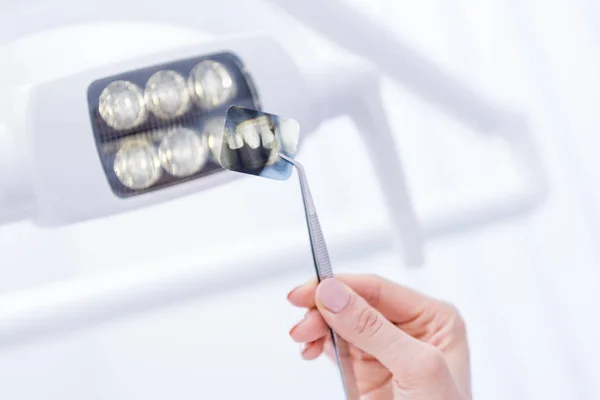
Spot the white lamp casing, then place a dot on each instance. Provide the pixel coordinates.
(58, 177)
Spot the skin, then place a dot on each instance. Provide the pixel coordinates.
(404, 345)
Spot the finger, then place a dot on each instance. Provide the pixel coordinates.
(312, 350)
(311, 328)
(303, 295)
(363, 326)
(328, 348)
(395, 302)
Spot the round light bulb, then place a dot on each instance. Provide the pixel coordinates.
(211, 84)
(183, 152)
(136, 164)
(167, 95)
(121, 105)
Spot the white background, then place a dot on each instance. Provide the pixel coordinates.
(528, 288)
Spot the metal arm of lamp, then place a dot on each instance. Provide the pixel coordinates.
(365, 37)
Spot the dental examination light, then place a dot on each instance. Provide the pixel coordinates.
(146, 130)
(160, 126)
(365, 37)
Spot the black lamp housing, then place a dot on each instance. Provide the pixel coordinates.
(108, 139)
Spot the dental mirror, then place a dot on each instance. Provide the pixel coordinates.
(262, 144)
(254, 142)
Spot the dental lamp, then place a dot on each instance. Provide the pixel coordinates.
(367, 39)
(98, 142)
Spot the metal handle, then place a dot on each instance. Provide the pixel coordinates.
(319, 248)
(324, 271)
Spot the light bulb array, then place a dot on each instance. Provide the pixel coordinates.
(163, 125)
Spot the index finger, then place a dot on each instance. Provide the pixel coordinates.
(395, 302)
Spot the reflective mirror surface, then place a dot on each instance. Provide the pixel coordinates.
(253, 141)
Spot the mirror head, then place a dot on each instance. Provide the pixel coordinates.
(253, 141)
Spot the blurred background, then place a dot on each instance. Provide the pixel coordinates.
(527, 284)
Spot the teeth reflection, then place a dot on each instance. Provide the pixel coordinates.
(263, 125)
(290, 136)
(274, 156)
(257, 131)
(214, 130)
(235, 142)
(249, 132)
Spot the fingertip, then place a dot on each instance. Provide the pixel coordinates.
(291, 333)
(334, 295)
(290, 295)
(302, 296)
(312, 350)
(329, 349)
(295, 297)
(310, 328)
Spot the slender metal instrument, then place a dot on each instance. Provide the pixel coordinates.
(324, 271)
(264, 136)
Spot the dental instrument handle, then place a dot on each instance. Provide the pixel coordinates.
(324, 271)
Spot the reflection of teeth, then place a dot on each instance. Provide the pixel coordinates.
(253, 130)
(235, 142)
(268, 139)
(252, 139)
(289, 143)
(274, 156)
(267, 136)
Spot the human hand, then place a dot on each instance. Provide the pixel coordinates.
(404, 345)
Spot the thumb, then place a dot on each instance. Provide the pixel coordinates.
(351, 317)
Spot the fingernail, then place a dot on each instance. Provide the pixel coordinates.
(333, 295)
